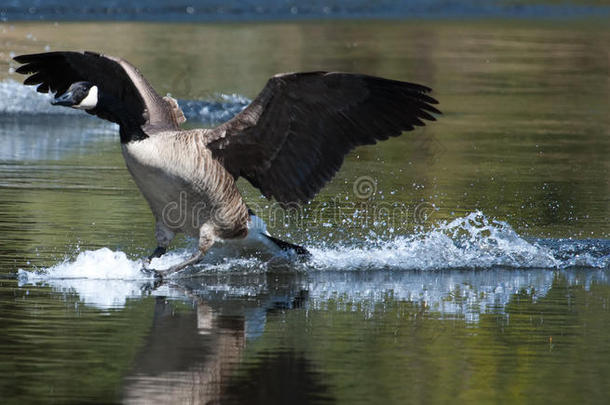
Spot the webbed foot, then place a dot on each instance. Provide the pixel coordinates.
(159, 251)
(196, 258)
(157, 274)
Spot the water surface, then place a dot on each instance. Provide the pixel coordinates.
(468, 260)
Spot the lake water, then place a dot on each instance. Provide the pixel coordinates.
(467, 261)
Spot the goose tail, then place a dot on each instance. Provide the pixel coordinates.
(288, 247)
(258, 229)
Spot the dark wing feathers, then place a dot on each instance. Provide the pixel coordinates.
(288, 142)
(56, 71)
(293, 137)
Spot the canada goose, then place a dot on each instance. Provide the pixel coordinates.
(288, 142)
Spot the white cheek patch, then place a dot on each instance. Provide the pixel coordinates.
(90, 101)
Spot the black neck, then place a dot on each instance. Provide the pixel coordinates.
(114, 110)
(129, 135)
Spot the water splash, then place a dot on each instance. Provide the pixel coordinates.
(101, 264)
(101, 278)
(365, 273)
(470, 242)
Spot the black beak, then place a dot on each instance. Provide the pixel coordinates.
(64, 99)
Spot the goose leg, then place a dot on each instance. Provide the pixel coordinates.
(164, 236)
(206, 240)
(159, 251)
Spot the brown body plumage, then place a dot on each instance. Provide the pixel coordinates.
(184, 186)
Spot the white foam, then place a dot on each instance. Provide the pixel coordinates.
(106, 279)
(471, 242)
(100, 264)
(102, 278)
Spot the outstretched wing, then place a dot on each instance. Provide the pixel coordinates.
(293, 137)
(56, 71)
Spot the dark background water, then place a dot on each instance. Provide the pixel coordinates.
(252, 10)
(498, 292)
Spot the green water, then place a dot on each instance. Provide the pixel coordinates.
(524, 138)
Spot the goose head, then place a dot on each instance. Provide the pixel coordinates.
(80, 95)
